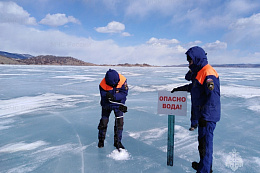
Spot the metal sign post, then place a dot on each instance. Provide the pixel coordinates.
(170, 145)
(172, 104)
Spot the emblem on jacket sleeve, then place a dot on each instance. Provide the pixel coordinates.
(126, 86)
(210, 84)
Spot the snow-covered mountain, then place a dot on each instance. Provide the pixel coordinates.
(15, 55)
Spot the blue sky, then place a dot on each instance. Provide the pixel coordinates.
(158, 32)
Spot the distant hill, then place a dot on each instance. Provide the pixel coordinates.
(54, 60)
(44, 60)
(15, 55)
(131, 65)
(5, 60)
(26, 59)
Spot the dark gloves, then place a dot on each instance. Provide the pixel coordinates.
(174, 89)
(192, 128)
(181, 88)
(123, 108)
(110, 96)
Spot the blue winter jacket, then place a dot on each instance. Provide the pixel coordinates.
(205, 89)
(116, 84)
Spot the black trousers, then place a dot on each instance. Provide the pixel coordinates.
(118, 126)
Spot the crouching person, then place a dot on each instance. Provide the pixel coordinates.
(113, 91)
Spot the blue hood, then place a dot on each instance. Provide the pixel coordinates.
(112, 78)
(198, 56)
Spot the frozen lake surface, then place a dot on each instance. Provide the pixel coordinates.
(49, 117)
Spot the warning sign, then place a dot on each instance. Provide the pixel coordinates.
(172, 103)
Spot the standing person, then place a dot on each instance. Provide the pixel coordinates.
(113, 91)
(205, 97)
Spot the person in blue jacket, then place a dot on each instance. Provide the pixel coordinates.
(113, 91)
(206, 107)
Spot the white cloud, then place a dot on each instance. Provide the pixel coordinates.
(126, 34)
(24, 39)
(247, 23)
(245, 32)
(10, 12)
(198, 16)
(58, 20)
(193, 43)
(244, 6)
(161, 41)
(112, 27)
(217, 45)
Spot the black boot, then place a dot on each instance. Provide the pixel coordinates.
(118, 145)
(100, 143)
(195, 165)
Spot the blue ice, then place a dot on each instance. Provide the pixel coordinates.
(49, 117)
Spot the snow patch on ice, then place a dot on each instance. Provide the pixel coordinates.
(23, 168)
(141, 89)
(87, 78)
(256, 160)
(21, 146)
(54, 151)
(122, 155)
(240, 91)
(254, 104)
(255, 108)
(131, 74)
(5, 124)
(13, 74)
(185, 143)
(149, 136)
(26, 104)
(41, 156)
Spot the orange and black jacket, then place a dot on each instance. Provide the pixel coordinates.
(119, 92)
(205, 88)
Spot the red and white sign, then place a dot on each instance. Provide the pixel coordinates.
(172, 103)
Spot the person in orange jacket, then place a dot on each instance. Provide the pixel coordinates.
(113, 91)
(206, 107)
